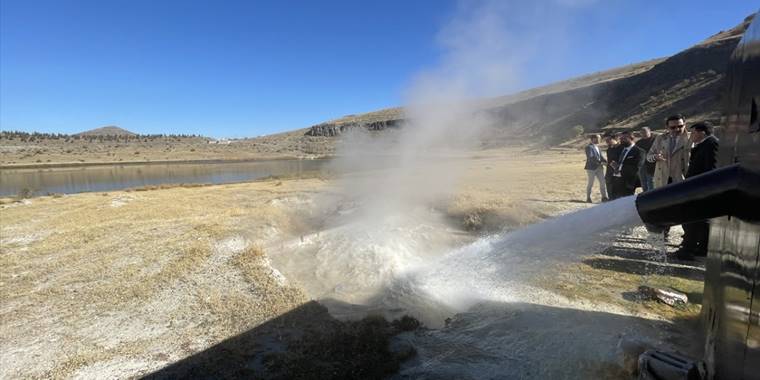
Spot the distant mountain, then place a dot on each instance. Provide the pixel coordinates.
(110, 130)
(643, 94)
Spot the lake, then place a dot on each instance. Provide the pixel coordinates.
(118, 177)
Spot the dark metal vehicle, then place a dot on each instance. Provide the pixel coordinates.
(730, 198)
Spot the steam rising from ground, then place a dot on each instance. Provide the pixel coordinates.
(387, 224)
(390, 226)
(486, 48)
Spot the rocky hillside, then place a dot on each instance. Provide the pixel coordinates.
(689, 82)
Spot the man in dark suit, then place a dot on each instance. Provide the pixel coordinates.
(613, 150)
(595, 169)
(646, 174)
(704, 157)
(627, 166)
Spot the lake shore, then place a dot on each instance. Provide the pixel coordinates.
(61, 165)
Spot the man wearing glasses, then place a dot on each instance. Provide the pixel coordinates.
(704, 157)
(670, 152)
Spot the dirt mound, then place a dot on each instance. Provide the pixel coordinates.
(109, 130)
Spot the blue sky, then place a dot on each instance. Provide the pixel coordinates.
(246, 68)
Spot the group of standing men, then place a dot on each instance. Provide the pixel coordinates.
(652, 162)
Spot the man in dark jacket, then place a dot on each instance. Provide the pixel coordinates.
(613, 151)
(646, 174)
(629, 161)
(704, 157)
(595, 169)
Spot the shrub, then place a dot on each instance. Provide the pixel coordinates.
(24, 193)
(577, 130)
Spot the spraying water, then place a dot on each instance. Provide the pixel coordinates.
(403, 262)
(494, 268)
(499, 327)
(499, 323)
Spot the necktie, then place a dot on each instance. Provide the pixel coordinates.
(622, 156)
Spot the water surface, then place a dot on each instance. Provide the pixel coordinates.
(118, 177)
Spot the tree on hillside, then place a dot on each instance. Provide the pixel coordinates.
(577, 131)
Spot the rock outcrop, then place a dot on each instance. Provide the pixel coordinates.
(332, 129)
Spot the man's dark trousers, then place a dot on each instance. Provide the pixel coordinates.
(703, 159)
(625, 184)
(612, 185)
(695, 237)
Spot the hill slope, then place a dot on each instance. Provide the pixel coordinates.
(109, 130)
(690, 82)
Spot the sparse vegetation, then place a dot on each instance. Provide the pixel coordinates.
(577, 131)
(24, 193)
(90, 136)
(39, 149)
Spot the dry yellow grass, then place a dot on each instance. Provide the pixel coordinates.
(120, 283)
(513, 188)
(581, 282)
(89, 278)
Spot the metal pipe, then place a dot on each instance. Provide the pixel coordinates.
(729, 191)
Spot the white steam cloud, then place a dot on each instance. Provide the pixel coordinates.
(487, 47)
(387, 224)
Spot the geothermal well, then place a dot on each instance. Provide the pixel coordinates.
(729, 197)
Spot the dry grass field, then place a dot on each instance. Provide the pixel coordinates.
(130, 280)
(123, 283)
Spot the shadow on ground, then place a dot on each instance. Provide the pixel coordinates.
(646, 267)
(557, 200)
(304, 343)
(490, 340)
(641, 261)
